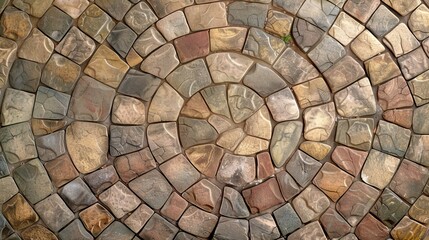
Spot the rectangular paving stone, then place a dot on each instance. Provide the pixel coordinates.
(249, 14)
(414, 63)
(192, 46)
(18, 143)
(153, 65)
(189, 175)
(355, 133)
(395, 94)
(375, 161)
(345, 28)
(320, 13)
(206, 16)
(311, 93)
(382, 21)
(55, 23)
(37, 47)
(50, 104)
(381, 68)
(54, 212)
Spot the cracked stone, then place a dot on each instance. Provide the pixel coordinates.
(349, 159)
(50, 104)
(356, 133)
(403, 7)
(196, 107)
(418, 87)
(312, 93)
(51, 146)
(18, 143)
(15, 24)
(237, 170)
(326, 53)
(345, 72)
(195, 132)
(395, 94)
(76, 46)
(96, 23)
(74, 8)
(205, 195)
(231, 138)
(139, 218)
(134, 164)
(402, 117)
(283, 105)
(263, 46)
(55, 23)
(271, 84)
(413, 63)
(174, 207)
(121, 38)
(192, 46)
(164, 7)
(216, 99)
(250, 14)
(417, 149)
(119, 199)
(75, 230)
(332, 181)
(188, 174)
(356, 100)
(362, 10)
(319, 122)
(287, 219)
(126, 139)
(163, 141)
(17, 106)
(220, 123)
(227, 39)
(305, 34)
(140, 85)
(284, 141)
(320, 13)
(243, 102)
(96, 218)
(391, 138)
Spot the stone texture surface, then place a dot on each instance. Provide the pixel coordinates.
(96, 218)
(73, 8)
(76, 45)
(250, 14)
(189, 175)
(74, 231)
(381, 68)
(389, 208)
(401, 40)
(270, 189)
(335, 225)
(319, 13)
(17, 106)
(119, 199)
(19, 213)
(237, 170)
(294, 68)
(163, 141)
(263, 46)
(324, 58)
(287, 219)
(198, 222)
(371, 228)
(355, 133)
(60, 73)
(205, 195)
(96, 23)
(284, 141)
(15, 24)
(227, 38)
(215, 16)
(77, 195)
(378, 160)
(311, 93)
(126, 139)
(51, 146)
(345, 28)
(25, 75)
(319, 122)
(165, 105)
(333, 181)
(414, 63)
(173, 26)
(55, 23)
(18, 142)
(366, 46)
(394, 94)
(233, 204)
(54, 212)
(174, 207)
(408, 228)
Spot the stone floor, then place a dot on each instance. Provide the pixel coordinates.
(205, 119)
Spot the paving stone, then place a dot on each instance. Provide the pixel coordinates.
(366, 46)
(74, 8)
(377, 160)
(15, 25)
(263, 45)
(196, 107)
(302, 168)
(76, 46)
(278, 23)
(102, 179)
(418, 88)
(153, 65)
(60, 73)
(319, 122)
(403, 7)
(316, 150)
(33, 181)
(311, 93)
(61, 170)
(96, 23)
(231, 138)
(51, 146)
(91, 100)
(259, 124)
(287, 219)
(216, 99)
(55, 23)
(400, 40)
(19, 213)
(414, 63)
(96, 218)
(356, 100)
(402, 117)
(18, 143)
(382, 21)
(128, 110)
(77, 195)
(140, 85)
(140, 17)
(419, 211)
(371, 228)
(195, 131)
(229, 229)
(50, 104)
(173, 26)
(381, 69)
(359, 194)
(394, 94)
(250, 14)
(350, 236)
(121, 38)
(311, 231)
(332, 181)
(157, 228)
(305, 34)
(87, 144)
(14, 237)
(126, 139)
(227, 38)
(139, 218)
(283, 106)
(417, 149)
(389, 208)
(214, 16)
(134, 164)
(198, 222)
(117, 9)
(418, 22)
(409, 181)
(54, 212)
(220, 123)
(119, 199)
(164, 7)
(205, 195)
(188, 174)
(35, 8)
(25, 75)
(174, 207)
(288, 185)
(420, 125)
(8, 56)
(43, 127)
(185, 236)
(343, 73)
(269, 191)
(294, 68)
(75, 231)
(320, 13)
(334, 225)
(237, 170)
(362, 10)
(187, 81)
(273, 82)
(409, 229)
(326, 53)
(4, 169)
(233, 204)
(17, 106)
(116, 230)
(133, 58)
(391, 138)
(228, 67)
(37, 47)
(284, 141)
(5, 228)
(152, 188)
(205, 158)
(8, 189)
(163, 141)
(263, 227)
(38, 231)
(289, 6)
(345, 28)
(192, 46)
(243, 102)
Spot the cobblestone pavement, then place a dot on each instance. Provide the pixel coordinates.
(205, 119)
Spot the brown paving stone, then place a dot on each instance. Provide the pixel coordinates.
(119, 199)
(165, 105)
(401, 40)
(263, 227)
(220, 123)
(356, 133)
(283, 105)
(356, 100)
(54, 212)
(61, 170)
(403, 7)
(420, 125)
(173, 26)
(310, 231)
(240, 96)
(163, 141)
(366, 46)
(418, 22)
(227, 38)
(206, 16)
(188, 174)
(233, 204)
(344, 72)
(420, 210)
(418, 87)
(263, 196)
(8, 56)
(231, 138)
(139, 218)
(116, 230)
(306, 35)
(273, 82)
(237, 170)
(192, 46)
(332, 181)
(302, 168)
(381, 68)
(319, 122)
(205, 158)
(76, 46)
(362, 10)
(157, 228)
(15, 24)
(231, 229)
(386, 132)
(394, 94)
(73, 8)
(96, 23)
(409, 229)
(38, 232)
(390, 208)
(251, 145)
(334, 225)
(195, 131)
(345, 28)
(55, 23)
(8, 189)
(263, 46)
(174, 207)
(195, 107)
(414, 63)
(34, 8)
(310, 203)
(198, 222)
(116, 9)
(96, 218)
(417, 150)
(278, 23)
(324, 58)
(371, 170)
(312, 93)
(126, 139)
(205, 195)
(77, 195)
(316, 150)
(402, 117)
(102, 179)
(164, 7)
(228, 67)
(264, 164)
(370, 228)
(19, 213)
(320, 13)
(139, 85)
(134, 164)
(288, 185)
(133, 58)
(128, 110)
(60, 73)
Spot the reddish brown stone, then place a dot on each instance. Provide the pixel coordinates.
(395, 94)
(174, 207)
(19, 213)
(334, 225)
(402, 117)
(288, 186)
(205, 195)
(265, 165)
(371, 229)
(196, 107)
(205, 158)
(134, 164)
(38, 232)
(61, 170)
(263, 196)
(96, 218)
(349, 159)
(102, 179)
(333, 181)
(192, 46)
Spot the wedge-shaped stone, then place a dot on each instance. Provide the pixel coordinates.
(216, 99)
(233, 204)
(17, 106)
(345, 28)
(192, 46)
(173, 25)
(188, 174)
(198, 222)
(77, 195)
(195, 132)
(418, 87)
(284, 141)
(54, 212)
(355, 133)
(140, 17)
(310, 204)
(121, 39)
(96, 23)
(163, 141)
(316, 150)
(371, 173)
(418, 151)
(60, 73)
(263, 80)
(283, 105)
(205, 195)
(227, 39)
(126, 139)
(19, 213)
(8, 50)
(401, 40)
(220, 123)
(230, 228)
(190, 78)
(148, 41)
(268, 190)
(251, 145)
(348, 159)
(327, 53)
(231, 138)
(263, 45)
(140, 85)
(196, 107)
(312, 93)
(119, 199)
(205, 158)
(302, 168)
(237, 170)
(116, 9)
(18, 143)
(76, 46)
(161, 68)
(356, 100)
(391, 138)
(165, 7)
(320, 13)
(263, 227)
(381, 68)
(72, 7)
(50, 104)
(344, 72)
(259, 124)
(250, 14)
(228, 67)
(243, 102)
(420, 125)
(51, 146)
(158, 228)
(165, 105)
(319, 122)
(207, 16)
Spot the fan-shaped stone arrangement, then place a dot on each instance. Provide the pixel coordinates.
(205, 119)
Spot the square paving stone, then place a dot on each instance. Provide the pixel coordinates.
(192, 46)
(102, 179)
(319, 122)
(349, 159)
(140, 17)
(17, 106)
(382, 21)
(250, 14)
(287, 219)
(420, 210)
(188, 174)
(334, 225)
(16, 25)
(18, 142)
(55, 23)
(207, 16)
(50, 104)
(139, 218)
(60, 73)
(381, 68)
(288, 185)
(418, 151)
(391, 138)
(76, 46)
(37, 47)
(278, 23)
(121, 38)
(302, 168)
(61, 170)
(77, 195)
(75, 231)
(167, 102)
(401, 40)
(158, 228)
(356, 133)
(163, 141)
(311, 93)
(126, 139)
(371, 173)
(419, 87)
(140, 85)
(96, 218)
(19, 213)
(414, 63)
(25, 75)
(134, 164)
(33, 181)
(390, 208)
(343, 73)
(148, 41)
(51, 146)
(345, 28)
(8, 189)
(371, 228)
(54, 212)
(263, 45)
(119, 199)
(161, 69)
(320, 13)
(116, 230)
(96, 23)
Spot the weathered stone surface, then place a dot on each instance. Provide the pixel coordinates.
(229, 229)
(220, 123)
(349, 159)
(77, 195)
(375, 161)
(391, 139)
(316, 150)
(371, 228)
(165, 105)
(250, 14)
(334, 225)
(262, 45)
(61, 170)
(401, 40)
(305, 34)
(311, 231)
(74, 8)
(55, 23)
(50, 104)
(116, 9)
(8, 50)
(302, 168)
(133, 58)
(128, 110)
(409, 229)
(205, 158)
(278, 23)
(8, 189)
(289, 6)
(227, 39)
(344, 72)
(205, 195)
(140, 85)
(188, 174)
(283, 105)
(96, 218)
(15, 24)
(173, 26)
(359, 194)
(231, 138)
(420, 125)
(88, 145)
(287, 219)
(34, 8)
(356, 133)
(362, 10)
(17, 106)
(75, 231)
(382, 21)
(417, 150)
(192, 46)
(402, 117)
(18, 143)
(4, 169)
(38, 231)
(389, 208)
(163, 141)
(195, 131)
(25, 75)
(187, 81)
(409, 181)
(139, 218)
(119, 199)
(243, 102)
(54, 212)
(102, 179)
(420, 210)
(319, 122)
(133, 165)
(165, 7)
(76, 45)
(237, 170)
(152, 188)
(259, 124)
(263, 227)
(294, 68)
(216, 99)
(96, 23)
(174, 207)
(121, 39)
(148, 41)
(284, 141)
(116, 230)
(381, 68)
(60, 73)
(126, 139)
(366, 46)
(418, 87)
(320, 13)
(19, 213)
(333, 181)
(228, 67)
(312, 93)
(51, 146)
(37, 47)
(394, 94)
(263, 196)
(326, 53)
(345, 28)
(158, 228)
(271, 83)
(196, 107)
(418, 22)
(233, 204)
(403, 7)
(413, 63)
(207, 16)
(198, 222)
(140, 17)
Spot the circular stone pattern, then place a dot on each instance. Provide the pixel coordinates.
(205, 119)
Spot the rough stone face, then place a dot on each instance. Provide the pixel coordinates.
(116, 230)
(119, 199)
(420, 125)
(408, 228)
(231, 139)
(73, 8)
(220, 123)
(371, 228)
(395, 94)
(96, 23)
(34, 8)
(8, 189)
(382, 21)
(355, 133)
(316, 150)
(334, 225)
(326, 53)
(269, 191)
(344, 72)
(418, 88)
(55, 23)
(205, 195)
(140, 85)
(283, 105)
(418, 22)
(371, 173)
(158, 228)
(302, 168)
(121, 39)
(198, 222)
(187, 81)
(51, 146)
(192, 46)
(414, 63)
(15, 24)
(349, 159)
(233, 204)
(229, 228)
(366, 46)
(319, 122)
(227, 38)
(271, 84)
(19, 213)
(207, 16)
(313, 92)
(311, 231)
(284, 141)
(163, 141)
(289, 6)
(140, 17)
(332, 181)
(116, 9)
(243, 102)
(417, 150)
(402, 117)
(165, 105)
(60, 73)
(74, 231)
(259, 125)
(96, 218)
(401, 40)
(362, 10)
(38, 231)
(77, 195)
(319, 13)
(17, 106)
(419, 210)
(263, 46)
(403, 7)
(228, 67)
(61, 170)
(263, 227)
(54, 212)
(126, 139)
(216, 99)
(76, 46)
(391, 139)
(305, 34)
(173, 26)
(139, 218)
(4, 169)
(381, 68)
(205, 158)
(24, 75)
(102, 179)
(165, 7)
(287, 219)
(345, 28)
(50, 104)
(152, 188)
(196, 107)
(390, 208)
(133, 165)
(250, 14)
(18, 143)
(128, 110)
(174, 207)
(37, 47)
(188, 174)
(237, 170)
